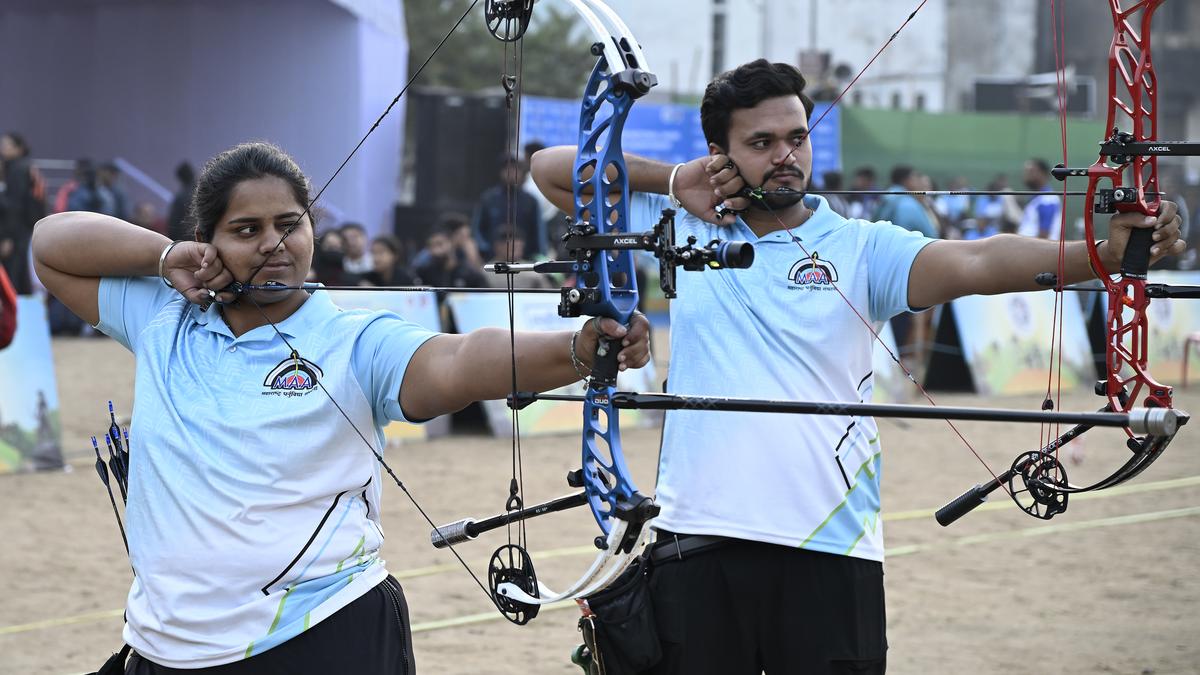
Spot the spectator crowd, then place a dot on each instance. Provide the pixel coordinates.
(511, 220)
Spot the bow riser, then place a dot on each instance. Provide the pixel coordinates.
(601, 121)
(1132, 104)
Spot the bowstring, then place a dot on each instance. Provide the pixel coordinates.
(512, 147)
(1053, 400)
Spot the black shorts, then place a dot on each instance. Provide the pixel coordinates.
(370, 636)
(744, 607)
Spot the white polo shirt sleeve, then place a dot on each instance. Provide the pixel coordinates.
(381, 356)
(890, 252)
(128, 304)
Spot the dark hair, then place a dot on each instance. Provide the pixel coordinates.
(390, 242)
(901, 173)
(19, 141)
(831, 180)
(1041, 164)
(352, 226)
(865, 172)
(532, 147)
(745, 87)
(223, 173)
(451, 221)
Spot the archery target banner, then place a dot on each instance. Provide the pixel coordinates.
(419, 307)
(1006, 342)
(540, 313)
(30, 428)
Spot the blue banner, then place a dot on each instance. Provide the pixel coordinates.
(667, 132)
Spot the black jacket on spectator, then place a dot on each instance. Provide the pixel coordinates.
(492, 213)
(20, 210)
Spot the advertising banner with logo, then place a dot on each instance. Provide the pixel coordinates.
(540, 313)
(30, 428)
(419, 307)
(667, 132)
(1006, 341)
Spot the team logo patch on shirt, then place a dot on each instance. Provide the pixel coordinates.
(813, 273)
(294, 376)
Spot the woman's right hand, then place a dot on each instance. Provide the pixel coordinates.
(194, 268)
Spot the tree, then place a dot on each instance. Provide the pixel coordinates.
(556, 56)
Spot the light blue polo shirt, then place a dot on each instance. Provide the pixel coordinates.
(253, 505)
(780, 330)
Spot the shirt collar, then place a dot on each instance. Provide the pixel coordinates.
(822, 220)
(307, 316)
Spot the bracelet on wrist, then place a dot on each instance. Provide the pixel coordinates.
(671, 187)
(162, 261)
(580, 368)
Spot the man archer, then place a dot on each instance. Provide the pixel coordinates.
(769, 553)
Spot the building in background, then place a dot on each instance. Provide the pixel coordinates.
(156, 83)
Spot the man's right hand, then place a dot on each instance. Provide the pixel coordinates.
(704, 183)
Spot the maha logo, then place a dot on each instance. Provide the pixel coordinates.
(293, 374)
(813, 271)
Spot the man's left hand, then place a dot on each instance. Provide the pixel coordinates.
(1166, 235)
(635, 340)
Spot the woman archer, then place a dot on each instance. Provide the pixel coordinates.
(253, 512)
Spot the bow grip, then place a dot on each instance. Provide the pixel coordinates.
(1136, 262)
(605, 365)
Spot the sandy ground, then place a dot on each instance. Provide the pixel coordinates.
(1109, 587)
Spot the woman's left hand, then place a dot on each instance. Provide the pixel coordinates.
(635, 340)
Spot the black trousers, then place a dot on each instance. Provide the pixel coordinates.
(747, 607)
(370, 636)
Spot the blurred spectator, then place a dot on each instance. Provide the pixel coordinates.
(903, 209)
(357, 258)
(388, 256)
(146, 215)
(22, 204)
(954, 210)
(328, 267)
(863, 206)
(508, 202)
(113, 201)
(832, 181)
(926, 185)
(461, 239)
(63, 195)
(179, 226)
(8, 310)
(85, 196)
(440, 263)
(464, 240)
(509, 238)
(1042, 217)
(995, 214)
